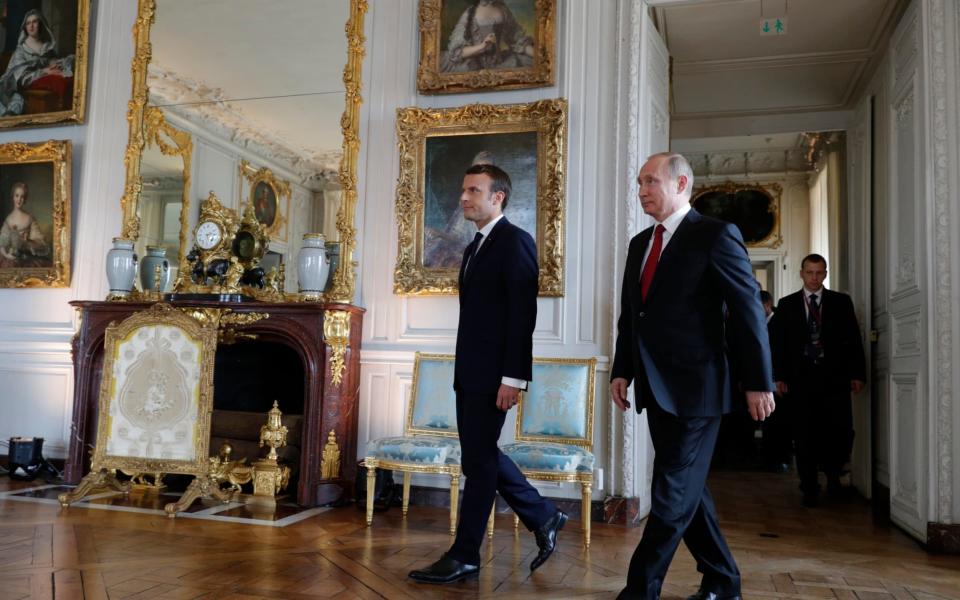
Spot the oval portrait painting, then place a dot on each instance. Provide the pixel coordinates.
(265, 203)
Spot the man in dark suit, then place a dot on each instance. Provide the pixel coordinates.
(777, 434)
(671, 344)
(818, 360)
(494, 361)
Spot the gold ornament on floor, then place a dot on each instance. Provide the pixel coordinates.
(330, 463)
(270, 477)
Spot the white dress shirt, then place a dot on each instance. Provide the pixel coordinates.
(806, 301)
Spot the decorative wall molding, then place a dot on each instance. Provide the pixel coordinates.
(904, 110)
(943, 231)
(207, 107)
(907, 418)
(907, 336)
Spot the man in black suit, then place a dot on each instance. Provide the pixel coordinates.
(671, 345)
(818, 360)
(777, 435)
(494, 361)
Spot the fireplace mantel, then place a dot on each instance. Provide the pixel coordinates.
(327, 404)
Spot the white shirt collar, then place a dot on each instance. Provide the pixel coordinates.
(485, 231)
(673, 221)
(807, 293)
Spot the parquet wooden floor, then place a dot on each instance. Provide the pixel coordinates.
(784, 552)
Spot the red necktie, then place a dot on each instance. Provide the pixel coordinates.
(651, 265)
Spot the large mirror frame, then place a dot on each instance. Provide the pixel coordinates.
(344, 278)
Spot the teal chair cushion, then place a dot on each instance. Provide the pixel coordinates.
(546, 456)
(421, 450)
(556, 403)
(434, 401)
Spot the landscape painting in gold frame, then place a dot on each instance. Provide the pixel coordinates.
(35, 207)
(471, 46)
(437, 146)
(43, 70)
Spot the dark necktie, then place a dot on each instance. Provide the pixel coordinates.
(650, 267)
(472, 250)
(814, 349)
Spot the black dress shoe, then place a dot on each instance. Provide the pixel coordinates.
(547, 538)
(708, 595)
(445, 570)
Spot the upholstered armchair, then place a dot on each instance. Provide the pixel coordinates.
(554, 440)
(429, 443)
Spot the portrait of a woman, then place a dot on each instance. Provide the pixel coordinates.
(487, 36)
(36, 66)
(22, 243)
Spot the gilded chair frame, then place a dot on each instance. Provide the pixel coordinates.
(584, 479)
(408, 469)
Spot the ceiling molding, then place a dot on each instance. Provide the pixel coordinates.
(773, 62)
(206, 107)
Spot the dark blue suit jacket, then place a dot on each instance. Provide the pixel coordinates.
(843, 358)
(498, 311)
(673, 345)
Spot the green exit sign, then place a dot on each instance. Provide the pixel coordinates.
(773, 26)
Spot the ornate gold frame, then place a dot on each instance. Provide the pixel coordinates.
(206, 335)
(773, 191)
(77, 110)
(344, 279)
(59, 153)
(156, 124)
(410, 429)
(281, 190)
(430, 80)
(414, 125)
(587, 442)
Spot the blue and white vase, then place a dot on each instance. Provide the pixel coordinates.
(156, 257)
(313, 267)
(121, 268)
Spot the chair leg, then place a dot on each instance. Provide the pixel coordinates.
(371, 487)
(585, 487)
(493, 511)
(454, 497)
(406, 491)
(516, 522)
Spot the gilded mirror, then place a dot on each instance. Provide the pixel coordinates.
(256, 86)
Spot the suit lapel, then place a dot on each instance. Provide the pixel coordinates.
(483, 251)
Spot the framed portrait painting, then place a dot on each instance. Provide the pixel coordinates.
(528, 141)
(43, 61)
(270, 198)
(35, 204)
(476, 45)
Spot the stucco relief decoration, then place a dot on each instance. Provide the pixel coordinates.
(904, 110)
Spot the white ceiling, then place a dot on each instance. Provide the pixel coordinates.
(279, 64)
(723, 67)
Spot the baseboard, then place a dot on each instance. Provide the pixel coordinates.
(621, 510)
(943, 538)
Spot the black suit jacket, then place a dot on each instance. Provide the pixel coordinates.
(843, 358)
(673, 344)
(498, 311)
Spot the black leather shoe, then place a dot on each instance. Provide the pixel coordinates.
(547, 538)
(445, 570)
(707, 595)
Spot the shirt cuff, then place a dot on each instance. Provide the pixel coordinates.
(517, 383)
